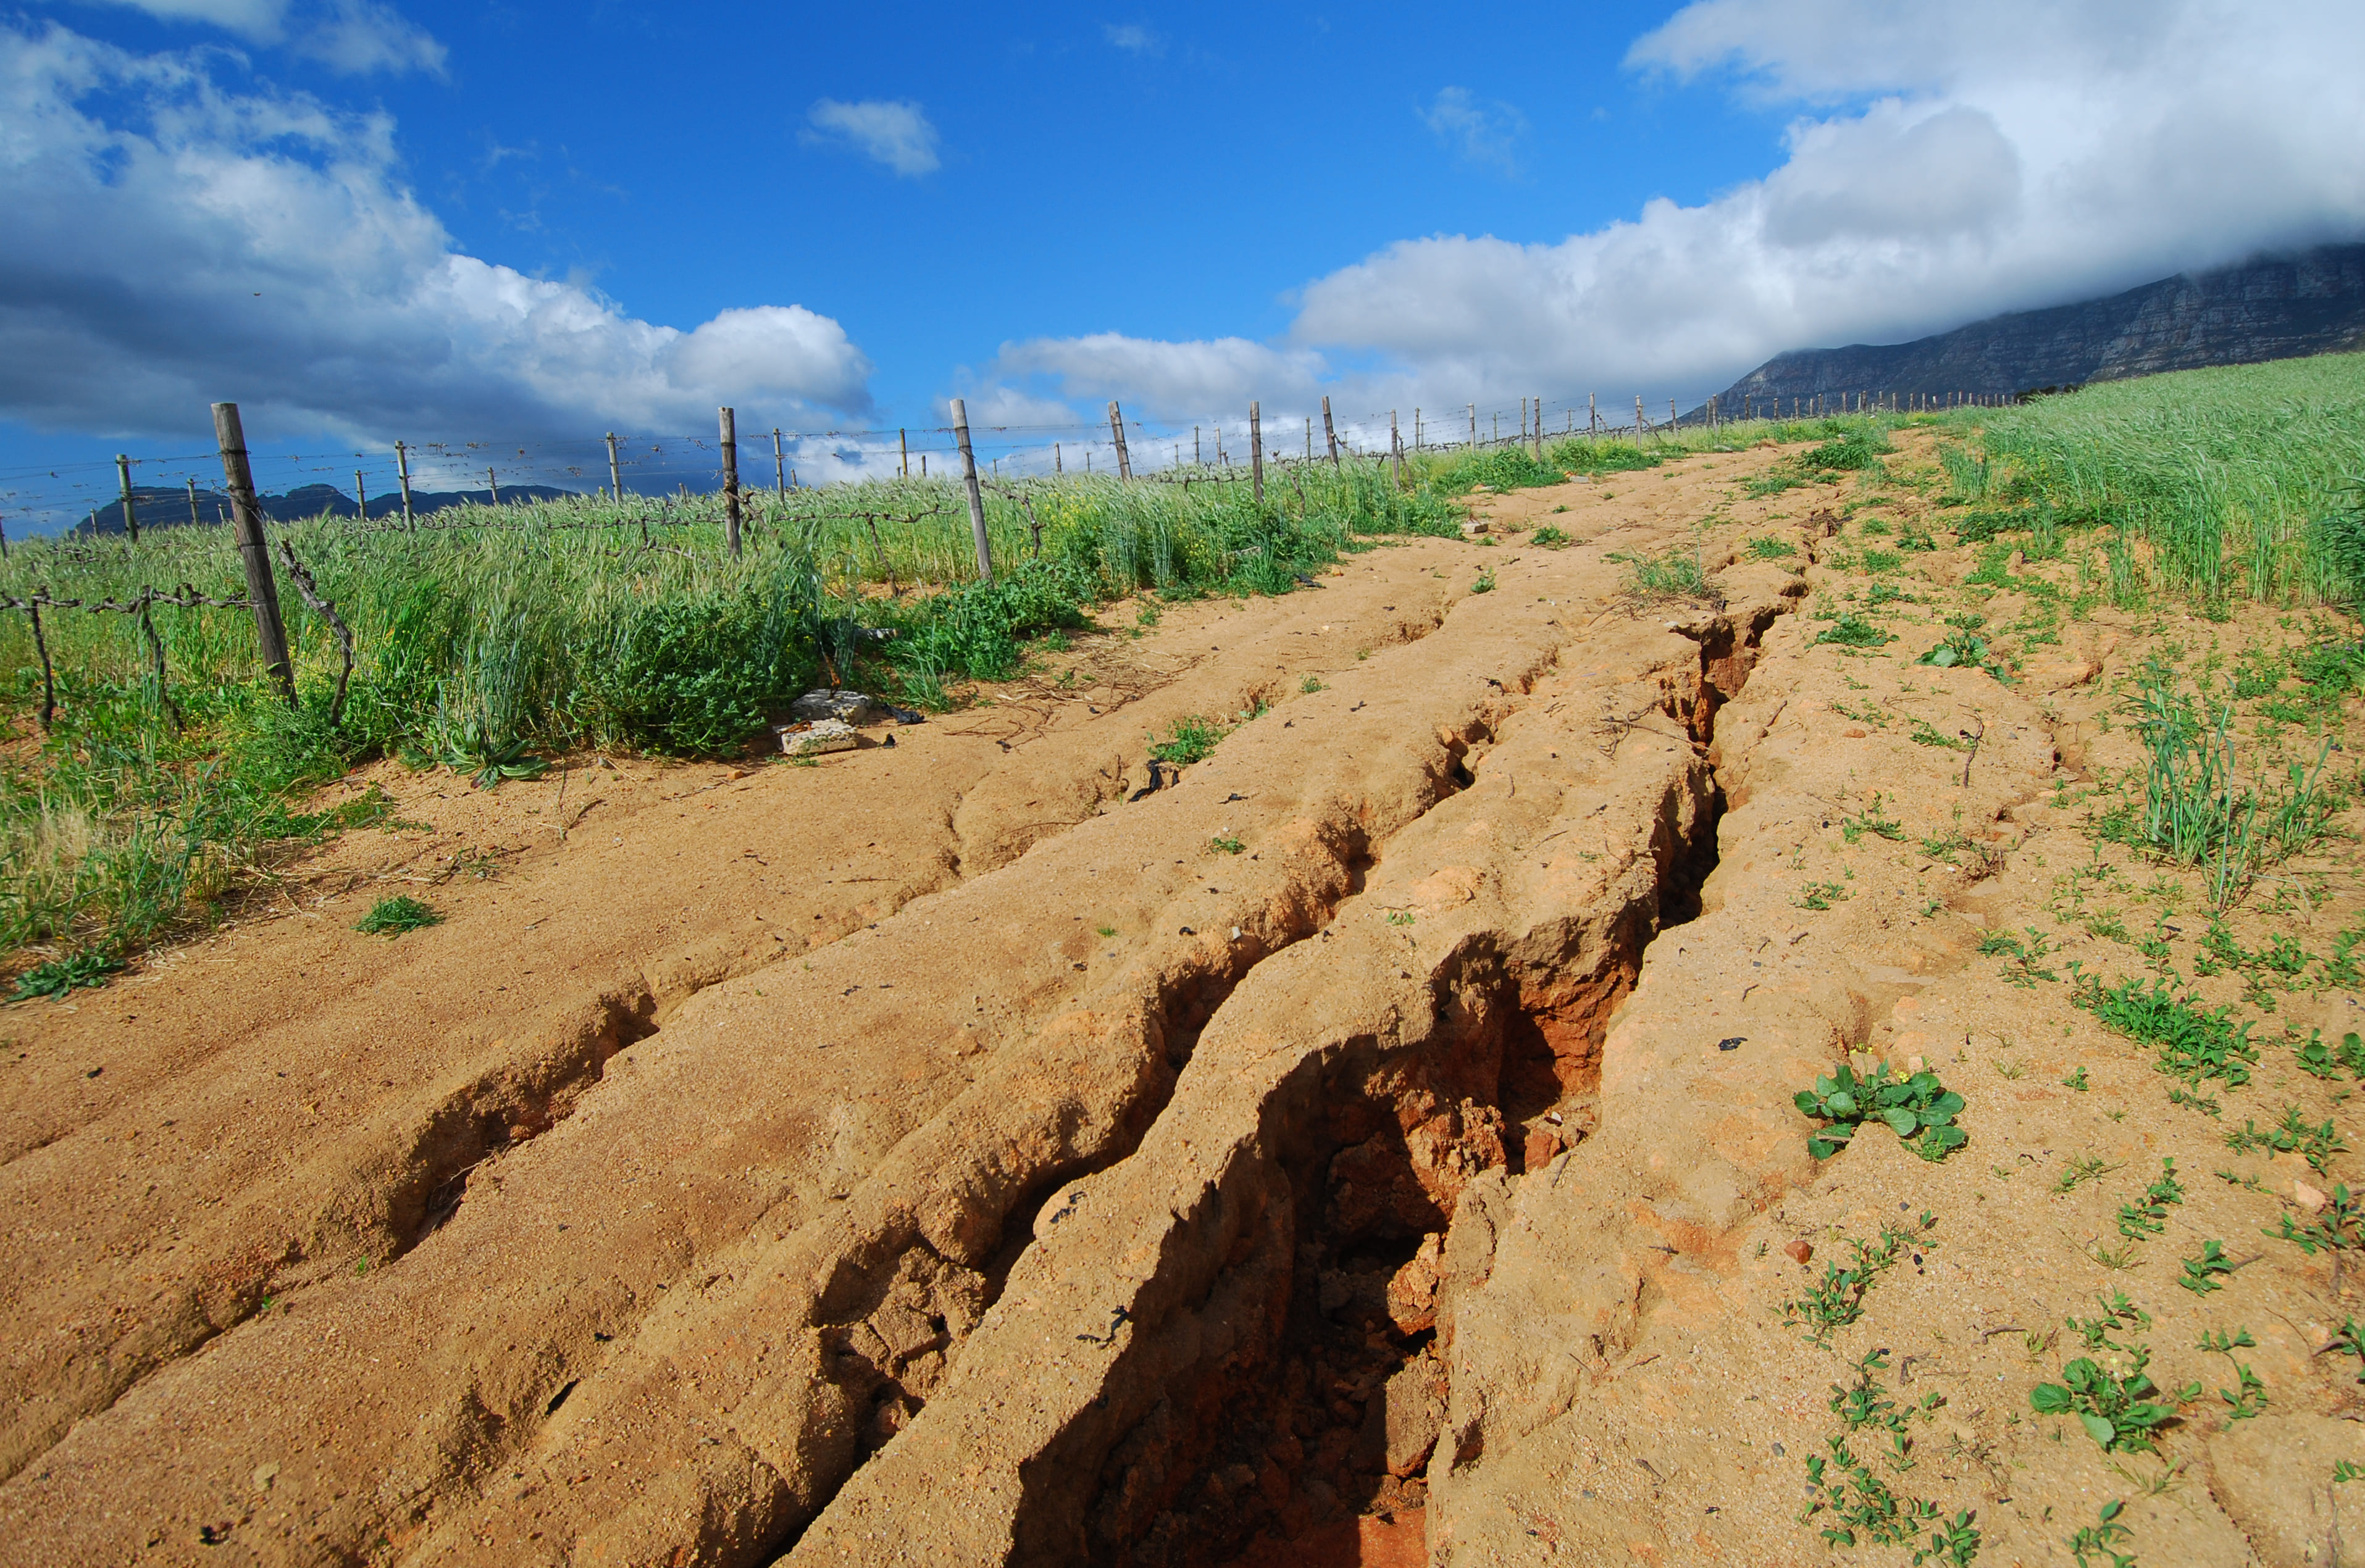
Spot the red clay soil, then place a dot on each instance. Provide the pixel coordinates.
(1375, 1147)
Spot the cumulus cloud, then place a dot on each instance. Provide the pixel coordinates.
(1945, 163)
(172, 243)
(352, 36)
(1482, 131)
(894, 133)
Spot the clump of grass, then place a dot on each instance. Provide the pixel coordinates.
(1852, 631)
(393, 916)
(2193, 1045)
(1188, 739)
(1673, 573)
(1765, 547)
(1548, 537)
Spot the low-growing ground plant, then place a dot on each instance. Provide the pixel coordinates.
(1852, 631)
(393, 916)
(2316, 1142)
(2340, 1227)
(1548, 537)
(2206, 1273)
(2149, 1218)
(2118, 1412)
(56, 977)
(1187, 740)
(1765, 547)
(1836, 1300)
(1675, 573)
(2101, 1539)
(1919, 1109)
(2248, 1397)
(2193, 1045)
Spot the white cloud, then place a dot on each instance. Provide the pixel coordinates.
(352, 36)
(1482, 131)
(1132, 38)
(1162, 380)
(183, 243)
(360, 36)
(893, 133)
(1947, 163)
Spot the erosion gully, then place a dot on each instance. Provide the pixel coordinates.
(1099, 1207)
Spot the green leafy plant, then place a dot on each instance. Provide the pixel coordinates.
(91, 968)
(2192, 1045)
(1548, 537)
(1822, 895)
(1851, 631)
(2341, 1229)
(1916, 1106)
(1187, 740)
(2315, 1142)
(2025, 968)
(2118, 1315)
(2118, 1412)
(2150, 1216)
(2076, 1081)
(2248, 1397)
(1226, 845)
(1837, 1299)
(2082, 1168)
(1310, 685)
(2204, 1274)
(393, 916)
(1484, 582)
(1766, 548)
(1873, 821)
(2102, 1538)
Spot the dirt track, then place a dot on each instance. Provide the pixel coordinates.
(936, 1155)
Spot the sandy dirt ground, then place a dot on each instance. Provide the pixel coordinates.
(1375, 1146)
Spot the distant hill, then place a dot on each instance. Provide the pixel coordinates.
(158, 507)
(2271, 307)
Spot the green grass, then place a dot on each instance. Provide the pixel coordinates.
(492, 639)
(393, 916)
(2234, 480)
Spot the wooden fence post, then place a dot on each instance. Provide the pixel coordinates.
(1396, 449)
(1256, 452)
(361, 496)
(1539, 429)
(246, 525)
(729, 421)
(779, 465)
(130, 517)
(493, 481)
(976, 496)
(615, 478)
(904, 444)
(1592, 417)
(1474, 427)
(1639, 420)
(193, 509)
(1417, 431)
(1329, 432)
(1117, 439)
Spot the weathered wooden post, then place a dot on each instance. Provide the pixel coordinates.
(1395, 450)
(254, 554)
(903, 445)
(130, 517)
(1117, 439)
(1256, 452)
(729, 421)
(361, 497)
(779, 465)
(1329, 432)
(976, 496)
(615, 478)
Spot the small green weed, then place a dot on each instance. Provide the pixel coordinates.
(2316, 1142)
(1873, 821)
(1225, 845)
(1768, 548)
(55, 977)
(2117, 1412)
(1187, 740)
(2103, 1537)
(2205, 1273)
(393, 916)
(1837, 1299)
(1852, 631)
(2082, 1168)
(1822, 895)
(1919, 1109)
(2150, 1216)
(2024, 970)
(2248, 1397)
(1484, 582)
(2340, 1229)
(2193, 1045)
(2076, 1081)
(1310, 685)
(1548, 538)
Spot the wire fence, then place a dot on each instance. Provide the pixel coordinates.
(151, 490)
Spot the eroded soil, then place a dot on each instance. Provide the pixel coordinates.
(1375, 1146)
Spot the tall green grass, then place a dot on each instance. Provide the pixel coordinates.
(488, 637)
(2214, 483)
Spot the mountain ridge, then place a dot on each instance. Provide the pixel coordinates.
(2279, 306)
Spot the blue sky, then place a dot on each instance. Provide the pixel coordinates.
(523, 224)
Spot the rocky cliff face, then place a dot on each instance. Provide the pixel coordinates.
(2274, 307)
